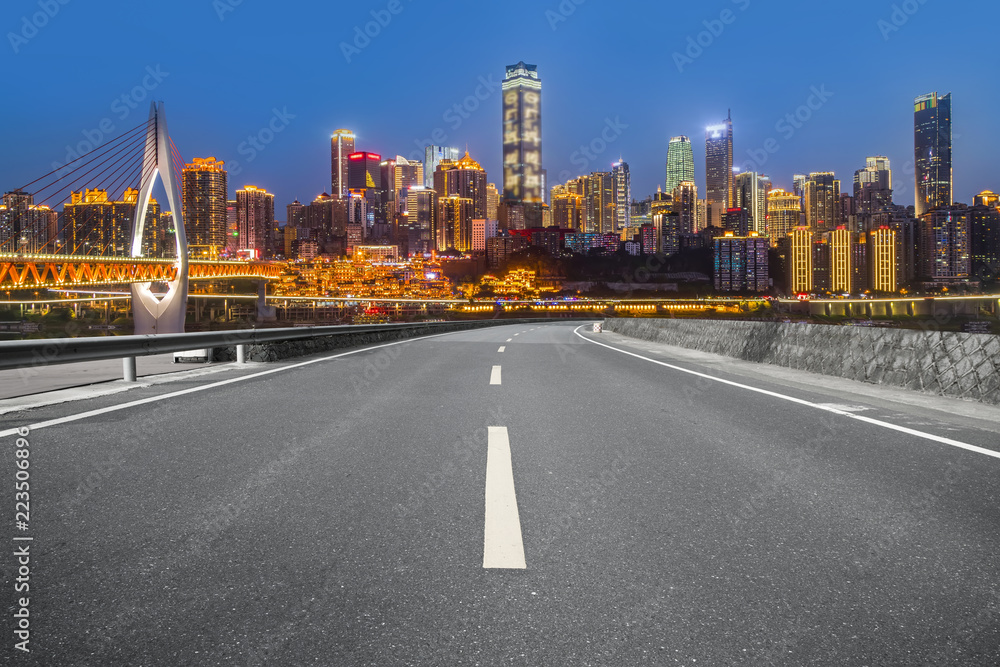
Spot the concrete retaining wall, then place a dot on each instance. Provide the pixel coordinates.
(267, 352)
(945, 363)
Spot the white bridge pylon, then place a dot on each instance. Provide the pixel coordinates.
(151, 314)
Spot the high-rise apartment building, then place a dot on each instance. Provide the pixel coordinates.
(750, 191)
(398, 175)
(463, 178)
(932, 152)
(872, 187)
(492, 201)
(255, 211)
(822, 201)
(784, 211)
(296, 214)
(984, 236)
(680, 162)
(883, 268)
(482, 231)
(741, 263)
(204, 197)
(944, 245)
(599, 203)
(800, 261)
(454, 223)
(522, 134)
(841, 265)
(719, 169)
(567, 209)
(26, 227)
(622, 183)
(364, 177)
(685, 203)
(421, 220)
(433, 155)
(341, 146)
(98, 225)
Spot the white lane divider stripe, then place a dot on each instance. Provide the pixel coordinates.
(502, 348)
(819, 406)
(495, 375)
(503, 546)
(508, 340)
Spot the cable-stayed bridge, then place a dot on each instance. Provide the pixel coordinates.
(110, 230)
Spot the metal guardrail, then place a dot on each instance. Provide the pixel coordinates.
(28, 353)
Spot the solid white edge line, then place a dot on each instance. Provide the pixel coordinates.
(503, 544)
(221, 383)
(825, 408)
(495, 375)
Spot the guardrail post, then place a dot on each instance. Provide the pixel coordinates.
(128, 368)
(241, 353)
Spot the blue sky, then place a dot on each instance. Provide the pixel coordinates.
(227, 68)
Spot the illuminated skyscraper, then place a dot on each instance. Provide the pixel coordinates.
(750, 192)
(26, 227)
(433, 155)
(492, 201)
(944, 245)
(522, 134)
(599, 203)
(463, 178)
(567, 209)
(421, 220)
(783, 214)
(255, 211)
(932, 151)
(986, 198)
(622, 183)
(719, 169)
(822, 201)
(341, 146)
(97, 225)
(205, 193)
(680, 162)
(882, 266)
(398, 176)
(454, 224)
(685, 200)
(873, 187)
(800, 261)
(740, 263)
(841, 267)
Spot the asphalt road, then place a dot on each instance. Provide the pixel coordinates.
(333, 514)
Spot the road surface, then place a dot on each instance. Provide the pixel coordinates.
(521, 495)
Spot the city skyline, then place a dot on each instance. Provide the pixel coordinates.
(464, 104)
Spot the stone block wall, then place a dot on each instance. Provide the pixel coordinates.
(937, 362)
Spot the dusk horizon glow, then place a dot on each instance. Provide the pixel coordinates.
(852, 99)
